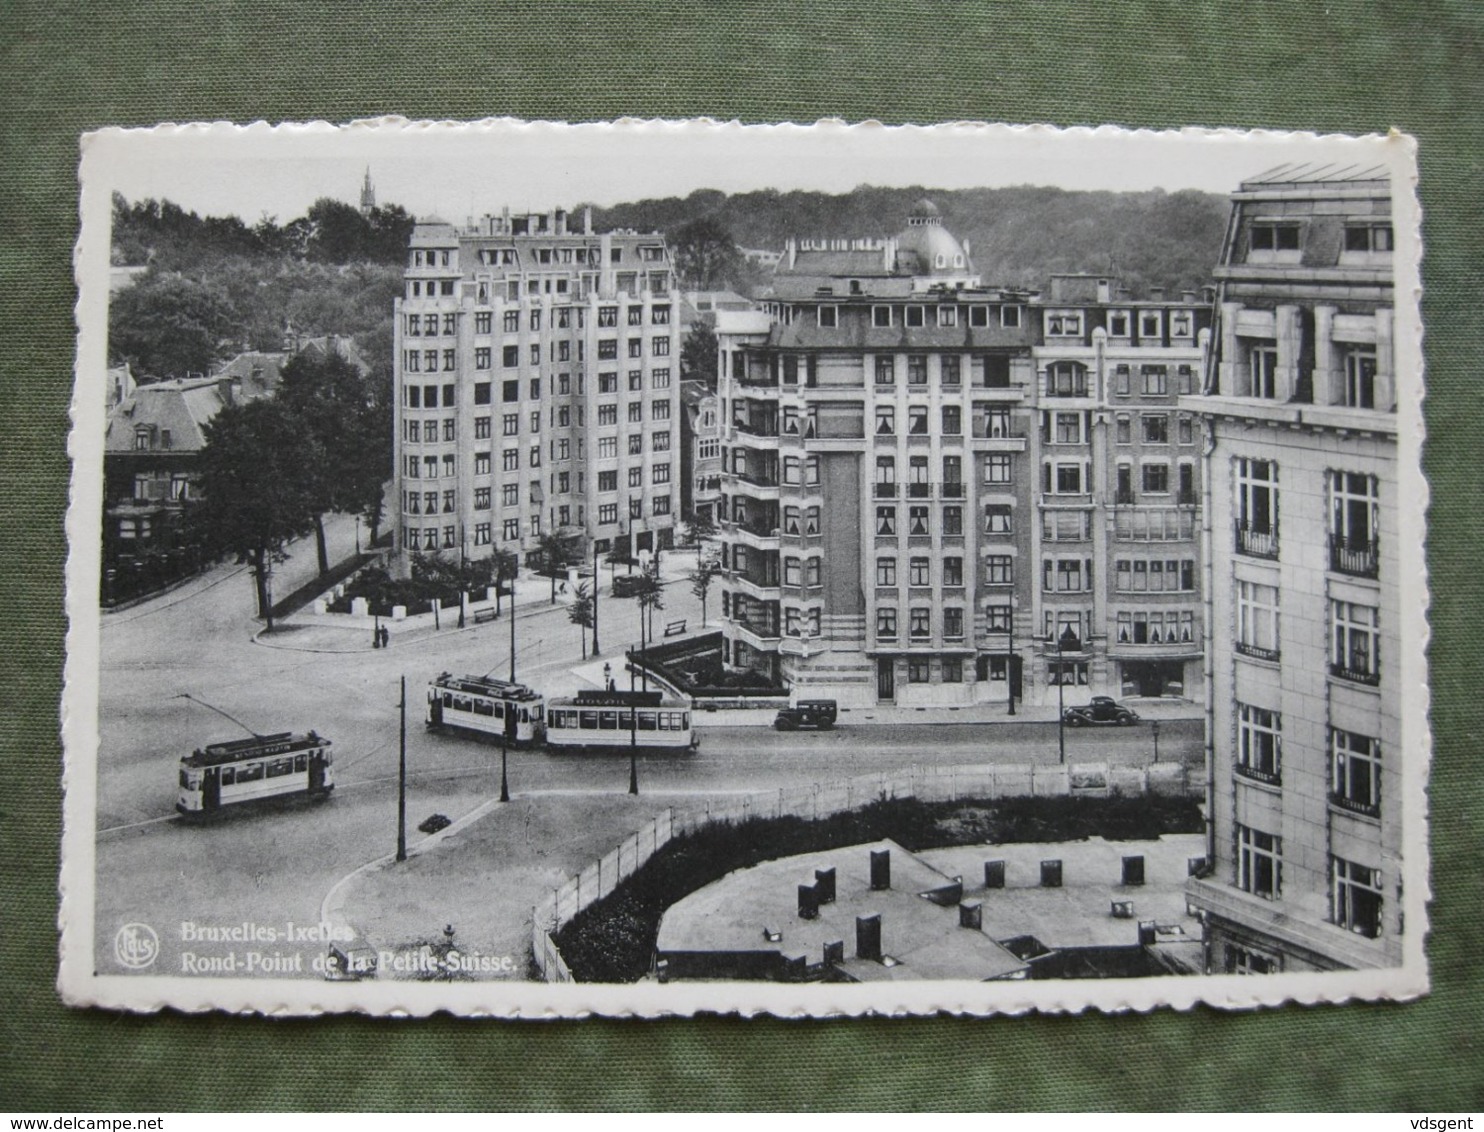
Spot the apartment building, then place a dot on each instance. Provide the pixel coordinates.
(701, 451)
(537, 369)
(1116, 537)
(1301, 510)
(876, 510)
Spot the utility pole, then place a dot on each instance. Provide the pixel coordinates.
(1010, 659)
(504, 781)
(597, 578)
(402, 781)
(512, 629)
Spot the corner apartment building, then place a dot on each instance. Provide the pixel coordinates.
(1116, 536)
(876, 510)
(537, 370)
(1301, 512)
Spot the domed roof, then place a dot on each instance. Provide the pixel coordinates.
(934, 248)
(925, 209)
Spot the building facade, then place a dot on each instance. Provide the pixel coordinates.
(537, 370)
(876, 511)
(1301, 511)
(1115, 540)
(701, 452)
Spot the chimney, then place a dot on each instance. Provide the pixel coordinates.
(824, 885)
(1146, 933)
(587, 220)
(868, 937)
(880, 869)
(808, 902)
(505, 220)
(1051, 874)
(1123, 294)
(971, 915)
(795, 968)
(1133, 870)
(994, 874)
(561, 222)
(834, 952)
(1104, 290)
(1188, 297)
(1157, 294)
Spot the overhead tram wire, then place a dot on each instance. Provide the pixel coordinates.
(224, 715)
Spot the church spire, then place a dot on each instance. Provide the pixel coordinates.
(368, 194)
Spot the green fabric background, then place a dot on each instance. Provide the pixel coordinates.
(1340, 66)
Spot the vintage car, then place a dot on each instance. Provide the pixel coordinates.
(1102, 710)
(807, 713)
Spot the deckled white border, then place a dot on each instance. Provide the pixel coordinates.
(81, 986)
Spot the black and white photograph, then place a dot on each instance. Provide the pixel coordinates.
(644, 568)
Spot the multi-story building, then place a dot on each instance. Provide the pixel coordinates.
(537, 387)
(1115, 541)
(876, 509)
(700, 451)
(1301, 507)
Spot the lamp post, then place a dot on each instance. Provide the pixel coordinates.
(597, 578)
(1010, 659)
(512, 627)
(1154, 727)
(402, 779)
(607, 677)
(633, 731)
(1061, 696)
(504, 781)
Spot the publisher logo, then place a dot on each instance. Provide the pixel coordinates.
(136, 946)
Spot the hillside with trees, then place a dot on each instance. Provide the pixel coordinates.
(1018, 236)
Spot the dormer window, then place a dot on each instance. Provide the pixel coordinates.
(829, 316)
(1118, 324)
(1368, 238)
(1269, 237)
(141, 438)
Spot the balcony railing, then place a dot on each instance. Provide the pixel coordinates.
(1255, 542)
(1355, 675)
(1187, 498)
(1369, 809)
(1353, 556)
(988, 430)
(1257, 651)
(757, 428)
(886, 490)
(1257, 774)
(756, 480)
(1123, 495)
(953, 490)
(919, 491)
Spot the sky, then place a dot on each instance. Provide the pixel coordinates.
(457, 173)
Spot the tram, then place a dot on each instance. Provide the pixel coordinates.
(615, 721)
(490, 707)
(221, 775)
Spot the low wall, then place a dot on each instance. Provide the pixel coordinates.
(927, 784)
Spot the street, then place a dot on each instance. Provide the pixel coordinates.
(165, 661)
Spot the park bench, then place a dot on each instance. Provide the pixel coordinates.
(675, 628)
(483, 615)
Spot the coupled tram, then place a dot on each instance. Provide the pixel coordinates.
(221, 775)
(594, 721)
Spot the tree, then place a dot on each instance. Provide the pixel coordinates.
(706, 256)
(167, 325)
(581, 611)
(698, 353)
(504, 565)
(329, 394)
(554, 549)
(700, 582)
(256, 493)
(649, 595)
(699, 527)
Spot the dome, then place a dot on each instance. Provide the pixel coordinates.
(924, 211)
(935, 249)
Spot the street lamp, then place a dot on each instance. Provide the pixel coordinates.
(1154, 727)
(1067, 638)
(633, 730)
(1010, 659)
(504, 781)
(597, 579)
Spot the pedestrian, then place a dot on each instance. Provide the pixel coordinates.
(386, 637)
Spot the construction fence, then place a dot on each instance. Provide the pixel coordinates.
(819, 800)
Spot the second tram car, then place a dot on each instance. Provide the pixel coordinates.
(492, 707)
(614, 721)
(248, 770)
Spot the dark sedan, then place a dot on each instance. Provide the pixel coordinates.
(1102, 711)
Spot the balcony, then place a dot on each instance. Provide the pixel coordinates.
(919, 491)
(1357, 557)
(1257, 774)
(885, 491)
(1123, 496)
(763, 586)
(953, 490)
(1257, 652)
(760, 633)
(1368, 676)
(767, 427)
(758, 535)
(1355, 806)
(1255, 542)
(1187, 498)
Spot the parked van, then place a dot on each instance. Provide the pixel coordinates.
(807, 713)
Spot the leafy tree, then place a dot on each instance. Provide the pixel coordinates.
(582, 611)
(554, 549)
(698, 353)
(167, 325)
(504, 565)
(329, 394)
(649, 595)
(706, 256)
(700, 527)
(700, 582)
(256, 490)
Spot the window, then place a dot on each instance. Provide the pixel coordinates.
(413, 324)
(1259, 744)
(608, 512)
(1150, 324)
(917, 521)
(510, 495)
(607, 446)
(1259, 863)
(886, 520)
(481, 428)
(661, 473)
(1065, 428)
(636, 347)
(1010, 315)
(561, 450)
(607, 316)
(953, 520)
(1354, 510)
(1063, 324)
(1274, 236)
(481, 463)
(1156, 479)
(1185, 430)
(1257, 620)
(1064, 479)
(886, 571)
(430, 363)
(510, 460)
(1360, 379)
(885, 370)
(1355, 782)
(1156, 380)
(1123, 430)
(1118, 324)
(953, 628)
(608, 481)
(1368, 238)
(481, 499)
(636, 508)
(481, 357)
(661, 504)
(886, 623)
(829, 316)
(953, 571)
(918, 572)
(482, 321)
(880, 316)
(999, 570)
(915, 316)
(430, 467)
(916, 368)
(659, 347)
(1257, 507)
(1157, 428)
(510, 321)
(917, 420)
(659, 410)
(510, 356)
(997, 468)
(607, 349)
(1357, 637)
(636, 412)
(510, 424)
(607, 414)
(1264, 364)
(886, 420)
(997, 518)
(1357, 897)
(511, 530)
(920, 624)
(1066, 575)
(792, 572)
(1066, 379)
(607, 383)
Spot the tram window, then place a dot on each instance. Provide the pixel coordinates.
(250, 773)
(626, 721)
(685, 721)
(608, 721)
(301, 763)
(448, 699)
(229, 775)
(499, 710)
(185, 781)
(483, 707)
(463, 703)
(647, 721)
(536, 713)
(589, 720)
(525, 715)
(280, 767)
